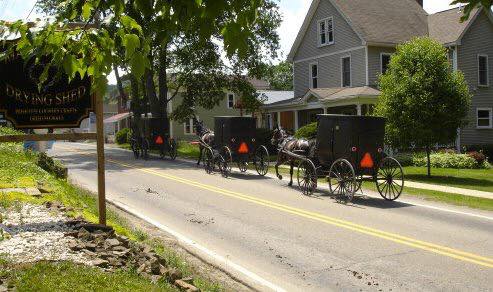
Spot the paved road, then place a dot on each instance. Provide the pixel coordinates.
(296, 242)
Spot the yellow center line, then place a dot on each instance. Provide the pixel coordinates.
(423, 245)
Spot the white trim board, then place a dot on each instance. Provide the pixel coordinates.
(330, 54)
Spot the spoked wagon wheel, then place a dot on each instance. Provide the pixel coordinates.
(342, 180)
(223, 166)
(390, 179)
(242, 163)
(162, 151)
(307, 177)
(228, 158)
(135, 148)
(145, 149)
(172, 149)
(261, 160)
(209, 161)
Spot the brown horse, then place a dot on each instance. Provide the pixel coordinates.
(206, 136)
(287, 143)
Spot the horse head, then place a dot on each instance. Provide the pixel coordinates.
(199, 126)
(278, 135)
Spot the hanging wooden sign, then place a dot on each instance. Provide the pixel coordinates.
(58, 103)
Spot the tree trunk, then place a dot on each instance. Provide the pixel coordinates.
(119, 85)
(163, 88)
(428, 153)
(151, 94)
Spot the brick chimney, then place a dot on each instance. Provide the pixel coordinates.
(420, 2)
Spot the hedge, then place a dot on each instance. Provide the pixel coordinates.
(308, 132)
(122, 136)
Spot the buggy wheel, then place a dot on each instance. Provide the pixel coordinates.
(172, 149)
(145, 149)
(209, 161)
(242, 163)
(135, 149)
(359, 183)
(228, 158)
(390, 179)
(261, 160)
(223, 166)
(307, 177)
(342, 180)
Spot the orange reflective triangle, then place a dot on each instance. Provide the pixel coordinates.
(243, 148)
(159, 140)
(367, 161)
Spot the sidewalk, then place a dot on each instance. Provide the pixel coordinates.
(447, 189)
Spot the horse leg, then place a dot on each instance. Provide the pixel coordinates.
(278, 162)
(200, 154)
(291, 165)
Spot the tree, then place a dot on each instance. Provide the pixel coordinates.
(174, 44)
(470, 5)
(423, 99)
(280, 76)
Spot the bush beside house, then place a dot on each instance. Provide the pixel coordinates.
(445, 159)
(122, 136)
(308, 132)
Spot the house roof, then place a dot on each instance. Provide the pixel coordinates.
(271, 96)
(259, 84)
(446, 27)
(375, 21)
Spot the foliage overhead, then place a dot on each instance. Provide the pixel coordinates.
(141, 35)
(280, 76)
(423, 99)
(470, 5)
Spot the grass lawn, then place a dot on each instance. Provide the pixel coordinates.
(18, 169)
(476, 179)
(66, 276)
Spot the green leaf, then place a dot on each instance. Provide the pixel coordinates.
(129, 23)
(70, 65)
(131, 42)
(86, 10)
(138, 64)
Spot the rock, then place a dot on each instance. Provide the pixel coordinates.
(141, 269)
(100, 263)
(71, 234)
(120, 248)
(155, 278)
(84, 234)
(163, 271)
(110, 242)
(115, 262)
(98, 227)
(173, 275)
(75, 246)
(3, 289)
(155, 266)
(33, 192)
(185, 286)
(44, 188)
(189, 280)
(90, 246)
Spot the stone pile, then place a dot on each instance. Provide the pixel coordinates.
(34, 233)
(111, 251)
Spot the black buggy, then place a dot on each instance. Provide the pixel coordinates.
(349, 150)
(235, 142)
(147, 134)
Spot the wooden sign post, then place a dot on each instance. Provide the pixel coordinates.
(57, 104)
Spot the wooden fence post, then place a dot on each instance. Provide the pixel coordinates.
(101, 166)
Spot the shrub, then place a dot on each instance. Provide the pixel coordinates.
(450, 160)
(478, 156)
(122, 136)
(487, 150)
(52, 166)
(405, 159)
(308, 132)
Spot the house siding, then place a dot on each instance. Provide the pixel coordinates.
(477, 40)
(204, 115)
(374, 65)
(329, 71)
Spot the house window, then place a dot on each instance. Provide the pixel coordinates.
(314, 75)
(325, 31)
(384, 62)
(483, 118)
(189, 127)
(346, 71)
(231, 100)
(483, 70)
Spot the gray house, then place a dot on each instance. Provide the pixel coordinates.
(343, 46)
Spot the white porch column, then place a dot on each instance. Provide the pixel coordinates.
(296, 123)
(325, 110)
(279, 119)
(358, 109)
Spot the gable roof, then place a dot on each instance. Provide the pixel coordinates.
(272, 96)
(375, 21)
(445, 26)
